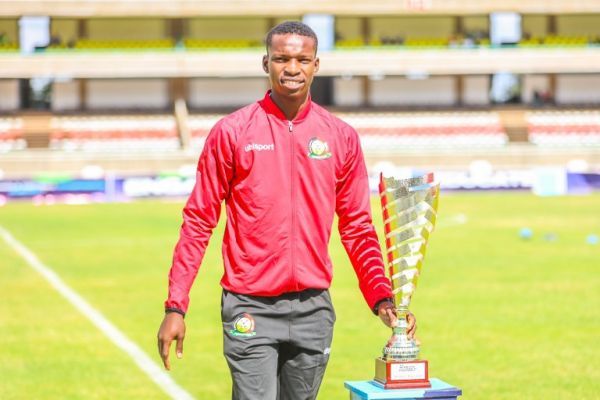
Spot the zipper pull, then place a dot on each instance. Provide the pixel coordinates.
(290, 126)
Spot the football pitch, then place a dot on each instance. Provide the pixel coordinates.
(499, 316)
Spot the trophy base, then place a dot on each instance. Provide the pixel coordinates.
(402, 374)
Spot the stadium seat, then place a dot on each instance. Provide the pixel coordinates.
(382, 132)
(349, 43)
(564, 128)
(426, 42)
(200, 126)
(11, 135)
(9, 46)
(114, 134)
(556, 40)
(229, 44)
(127, 44)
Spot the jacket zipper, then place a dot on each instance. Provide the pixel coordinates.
(293, 204)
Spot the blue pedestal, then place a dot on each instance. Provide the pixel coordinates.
(367, 390)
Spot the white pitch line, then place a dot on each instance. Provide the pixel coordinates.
(458, 219)
(143, 361)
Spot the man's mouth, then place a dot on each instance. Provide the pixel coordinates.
(291, 83)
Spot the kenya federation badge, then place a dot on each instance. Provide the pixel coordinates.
(243, 326)
(318, 149)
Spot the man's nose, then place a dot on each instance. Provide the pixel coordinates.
(292, 67)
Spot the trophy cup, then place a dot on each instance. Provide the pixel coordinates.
(409, 214)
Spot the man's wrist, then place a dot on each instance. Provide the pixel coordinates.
(169, 310)
(380, 302)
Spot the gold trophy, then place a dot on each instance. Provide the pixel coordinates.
(409, 214)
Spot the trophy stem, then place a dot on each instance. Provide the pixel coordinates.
(400, 347)
(401, 324)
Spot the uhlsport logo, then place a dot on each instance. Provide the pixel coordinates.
(318, 149)
(259, 147)
(243, 325)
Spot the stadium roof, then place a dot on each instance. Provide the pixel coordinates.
(239, 8)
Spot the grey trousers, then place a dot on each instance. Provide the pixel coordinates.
(277, 348)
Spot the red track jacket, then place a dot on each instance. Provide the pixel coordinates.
(281, 181)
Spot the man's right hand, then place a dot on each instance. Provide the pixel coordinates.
(172, 328)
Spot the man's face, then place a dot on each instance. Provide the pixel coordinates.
(291, 63)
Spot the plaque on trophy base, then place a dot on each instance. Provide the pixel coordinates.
(402, 374)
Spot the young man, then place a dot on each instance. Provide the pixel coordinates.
(283, 166)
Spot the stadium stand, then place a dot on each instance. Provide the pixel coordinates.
(156, 44)
(564, 128)
(380, 76)
(466, 41)
(9, 46)
(381, 131)
(200, 125)
(127, 44)
(229, 44)
(558, 41)
(114, 134)
(390, 131)
(8, 42)
(378, 131)
(11, 135)
(447, 130)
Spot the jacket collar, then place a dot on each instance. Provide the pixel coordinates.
(271, 107)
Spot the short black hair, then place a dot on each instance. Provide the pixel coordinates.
(291, 28)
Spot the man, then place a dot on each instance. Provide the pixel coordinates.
(283, 166)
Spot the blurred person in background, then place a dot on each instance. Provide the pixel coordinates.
(284, 166)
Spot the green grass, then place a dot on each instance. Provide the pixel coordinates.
(499, 317)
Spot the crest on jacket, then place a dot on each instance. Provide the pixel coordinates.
(318, 149)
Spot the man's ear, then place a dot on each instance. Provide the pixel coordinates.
(265, 63)
(317, 62)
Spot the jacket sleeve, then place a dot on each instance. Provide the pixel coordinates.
(201, 214)
(355, 224)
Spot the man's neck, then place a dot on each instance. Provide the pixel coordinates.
(289, 107)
